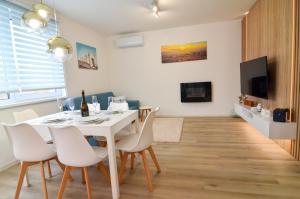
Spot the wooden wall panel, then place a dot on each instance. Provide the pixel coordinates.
(269, 27)
(267, 31)
(296, 143)
(244, 38)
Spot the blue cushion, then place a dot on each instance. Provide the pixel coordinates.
(133, 104)
(103, 99)
(92, 141)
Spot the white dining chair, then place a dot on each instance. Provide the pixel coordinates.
(116, 106)
(74, 151)
(25, 115)
(139, 143)
(30, 149)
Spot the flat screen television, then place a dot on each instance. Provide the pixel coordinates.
(254, 77)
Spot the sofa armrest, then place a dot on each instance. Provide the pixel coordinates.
(133, 104)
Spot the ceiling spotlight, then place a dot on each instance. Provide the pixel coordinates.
(246, 13)
(155, 8)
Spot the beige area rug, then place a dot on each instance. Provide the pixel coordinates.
(167, 129)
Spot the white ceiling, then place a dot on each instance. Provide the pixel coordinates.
(126, 16)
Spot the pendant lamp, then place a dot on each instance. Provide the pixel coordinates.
(58, 46)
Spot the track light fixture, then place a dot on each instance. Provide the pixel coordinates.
(155, 8)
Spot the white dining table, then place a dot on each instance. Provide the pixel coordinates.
(113, 123)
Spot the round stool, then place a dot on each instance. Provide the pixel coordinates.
(144, 110)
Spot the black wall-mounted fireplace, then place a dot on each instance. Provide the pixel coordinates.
(196, 92)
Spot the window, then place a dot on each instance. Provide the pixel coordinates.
(27, 72)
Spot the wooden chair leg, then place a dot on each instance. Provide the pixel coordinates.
(62, 167)
(132, 161)
(147, 171)
(82, 177)
(88, 184)
(23, 169)
(43, 180)
(27, 179)
(143, 113)
(60, 164)
(153, 156)
(49, 169)
(121, 155)
(104, 171)
(123, 166)
(64, 182)
(102, 143)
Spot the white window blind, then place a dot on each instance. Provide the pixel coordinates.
(24, 63)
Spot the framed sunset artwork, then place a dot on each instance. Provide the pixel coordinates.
(184, 52)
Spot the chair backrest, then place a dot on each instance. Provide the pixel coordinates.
(27, 144)
(25, 115)
(72, 147)
(30, 114)
(146, 133)
(116, 106)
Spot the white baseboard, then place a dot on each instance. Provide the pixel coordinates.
(8, 165)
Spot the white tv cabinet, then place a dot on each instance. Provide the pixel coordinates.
(266, 125)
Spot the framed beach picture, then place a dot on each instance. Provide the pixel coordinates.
(87, 56)
(184, 52)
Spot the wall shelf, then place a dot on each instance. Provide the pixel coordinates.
(266, 125)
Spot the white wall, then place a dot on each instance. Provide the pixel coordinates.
(92, 81)
(76, 80)
(139, 74)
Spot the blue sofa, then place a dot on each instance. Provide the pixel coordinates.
(103, 100)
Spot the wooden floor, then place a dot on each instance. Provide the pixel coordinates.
(218, 158)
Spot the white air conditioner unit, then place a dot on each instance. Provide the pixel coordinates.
(130, 41)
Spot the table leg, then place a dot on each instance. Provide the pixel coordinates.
(113, 166)
(27, 179)
(142, 115)
(137, 125)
